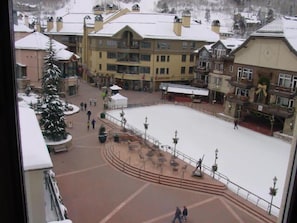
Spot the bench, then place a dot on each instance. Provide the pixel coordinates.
(59, 148)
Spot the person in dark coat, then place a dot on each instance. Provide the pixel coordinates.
(235, 124)
(185, 213)
(89, 115)
(93, 123)
(177, 215)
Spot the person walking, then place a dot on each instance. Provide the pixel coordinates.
(177, 215)
(185, 213)
(93, 123)
(89, 115)
(235, 124)
(85, 105)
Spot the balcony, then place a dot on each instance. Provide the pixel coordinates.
(237, 99)
(272, 109)
(201, 69)
(125, 45)
(222, 58)
(241, 83)
(282, 91)
(199, 83)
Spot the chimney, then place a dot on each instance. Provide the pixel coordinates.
(98, 23)
(38, 26)
(59, 23)
(50, 23)
(215, 26)
(98, 9)
(186, 18)
(135, 8)
(26, 20)
(177, 26)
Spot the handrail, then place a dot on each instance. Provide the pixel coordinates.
(55, 199)
(234, 187)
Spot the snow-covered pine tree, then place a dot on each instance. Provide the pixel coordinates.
(52, 119)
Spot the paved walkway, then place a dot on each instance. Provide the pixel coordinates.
(96, 192)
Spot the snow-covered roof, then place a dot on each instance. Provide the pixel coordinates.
(184, 89)
(115, 87)
(22, 28)
(285, 27)
(118, 96)
(34, 150)
(63, 54)
(232, 43)
(37, 41)
(147, 25)
(157, 26)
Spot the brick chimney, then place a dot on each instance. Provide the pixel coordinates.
(186, 18)
(215, 26)
(59, 23)
(98, 23)
(50, 23)
(177, 26)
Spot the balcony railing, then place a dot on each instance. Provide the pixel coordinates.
(282, 91)
(241, 83)
(272, 109)
(238, 99)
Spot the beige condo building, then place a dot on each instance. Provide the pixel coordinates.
(135, 50)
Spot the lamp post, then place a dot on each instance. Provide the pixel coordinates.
(272, 192)
(215, 165)
(175, 141)
(145, 128)
(123, 120)
(271, 124)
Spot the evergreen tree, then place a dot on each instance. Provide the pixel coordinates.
(52, 117)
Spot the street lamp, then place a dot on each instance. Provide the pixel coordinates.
(215, 165)
(272, 192)
(175, 141)
(145, 128)
(122, 114)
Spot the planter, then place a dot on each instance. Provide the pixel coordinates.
(102, 115)
(102, 138)
(116, 138)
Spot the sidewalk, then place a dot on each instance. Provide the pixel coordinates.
(94, 191)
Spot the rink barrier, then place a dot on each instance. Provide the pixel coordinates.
(234, 187)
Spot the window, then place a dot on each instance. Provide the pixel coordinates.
(184, 57)
(145, 45)
(163, 45)
(192, 57)
(191, 69)
(163, 58)
(145, 57)
(145, 70)
(242, 92)
(284, 80)
(184, 45)
(100, 54)
(168, 58)
(244, 73)
(285, 102)
(231, 68)
(183, 70)
(111, 67)
(162, 70)
(157, 59)
(157, 70)
(111, 55)
(111, 43)
(100, 67)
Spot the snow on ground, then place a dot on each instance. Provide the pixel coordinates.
(246, 157)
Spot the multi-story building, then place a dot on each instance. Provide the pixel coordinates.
(30, 52)
(214, 68)
(135, 50)
(263, 84)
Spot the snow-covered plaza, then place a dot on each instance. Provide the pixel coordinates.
(247, 158)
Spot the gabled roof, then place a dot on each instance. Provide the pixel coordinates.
(37, 41)
(22, 28)
(284, 27)
(230, 43)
